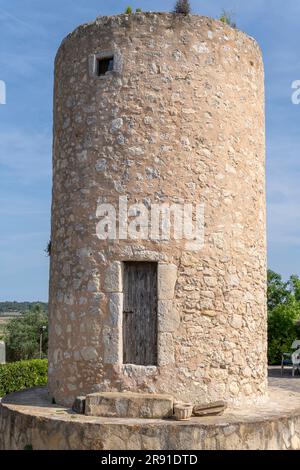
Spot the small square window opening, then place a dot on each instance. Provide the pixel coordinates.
(104, 65)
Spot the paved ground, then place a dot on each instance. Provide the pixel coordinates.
(283, 398)
(28, 417)
(285, 382)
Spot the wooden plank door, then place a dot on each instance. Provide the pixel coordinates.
(140, 313)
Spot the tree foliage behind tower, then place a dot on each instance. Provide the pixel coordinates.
(283, 314)
(23, 333)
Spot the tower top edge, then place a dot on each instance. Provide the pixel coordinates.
(169, 20)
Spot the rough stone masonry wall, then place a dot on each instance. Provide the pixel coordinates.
(180, 118)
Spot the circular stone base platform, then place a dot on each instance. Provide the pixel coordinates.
(28, 419)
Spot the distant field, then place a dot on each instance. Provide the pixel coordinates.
(12, 308)
(9, 310)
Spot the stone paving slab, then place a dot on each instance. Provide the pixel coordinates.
(129, 405)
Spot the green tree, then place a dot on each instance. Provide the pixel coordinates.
(278, 292)
(282, 329)
(294, 286)
(283, 314)
(22, 335)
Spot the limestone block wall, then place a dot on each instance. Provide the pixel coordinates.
(178, 118)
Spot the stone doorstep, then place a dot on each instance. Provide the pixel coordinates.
(129, 405)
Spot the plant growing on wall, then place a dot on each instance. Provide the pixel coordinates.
(182, 7)
(138, 10)
(227, 18)
(128, 10)
(48, 248)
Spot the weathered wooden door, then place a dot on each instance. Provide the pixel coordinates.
(140, 313)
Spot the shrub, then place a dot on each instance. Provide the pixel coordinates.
(128, 10)
(138, 10)
(182, 7)
(16, 376)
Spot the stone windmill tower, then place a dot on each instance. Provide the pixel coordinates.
(158, 110)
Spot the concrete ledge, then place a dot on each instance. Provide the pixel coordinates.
(29, 418)
(129, 405)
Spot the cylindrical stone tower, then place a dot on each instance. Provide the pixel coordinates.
(167, 112)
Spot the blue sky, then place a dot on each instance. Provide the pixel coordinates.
(30, 33)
